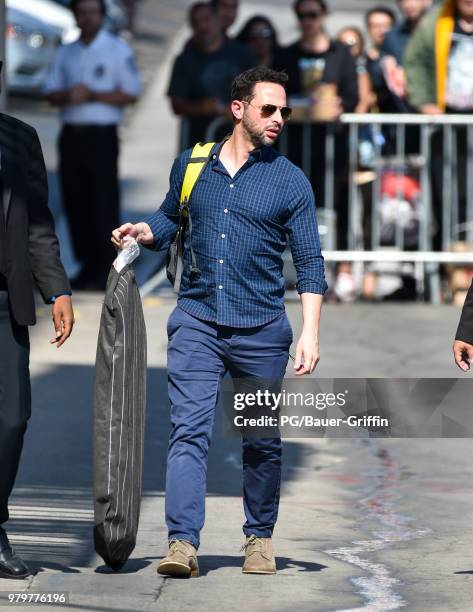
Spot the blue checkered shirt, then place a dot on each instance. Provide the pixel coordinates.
(240, 227)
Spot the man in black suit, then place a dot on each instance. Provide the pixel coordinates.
(29, 251)
(463, 345)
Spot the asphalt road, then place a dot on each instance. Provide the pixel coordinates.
(365, 524)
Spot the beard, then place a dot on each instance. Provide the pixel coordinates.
(256, 135)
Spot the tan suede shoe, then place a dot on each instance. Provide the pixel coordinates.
(181, 560)
(259, 556)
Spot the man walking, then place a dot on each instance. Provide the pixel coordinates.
(28, 249)
(91, 81)
(230, 316)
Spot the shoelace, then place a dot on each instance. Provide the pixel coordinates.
(253, 542)
(177, 546)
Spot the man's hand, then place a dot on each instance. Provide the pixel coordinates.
(394, 76)
(79, 94)
(141, 232)
(430, 109)
(63, 319)
(332, 108)
(463, 354)
(307, 354)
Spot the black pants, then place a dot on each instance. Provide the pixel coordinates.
(15, 398)
(436, 167)
(89, 176)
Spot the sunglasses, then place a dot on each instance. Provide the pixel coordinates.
(309, 15)
(263, 33)
(267, 110)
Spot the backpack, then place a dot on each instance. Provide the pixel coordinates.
(200, 157)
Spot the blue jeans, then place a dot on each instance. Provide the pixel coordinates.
(200, 353)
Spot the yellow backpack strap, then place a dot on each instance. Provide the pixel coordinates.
(195, 166)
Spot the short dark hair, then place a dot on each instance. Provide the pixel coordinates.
(197, 6)
(244, 84)
(323, 5)
(214, 4)
(244, 34)
(75, 4)
(384, 10)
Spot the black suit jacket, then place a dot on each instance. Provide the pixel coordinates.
(32, 248)
(465, 327)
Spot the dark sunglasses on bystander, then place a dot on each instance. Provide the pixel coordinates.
(309, 15)
(260, 33)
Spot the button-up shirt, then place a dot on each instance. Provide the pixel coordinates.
(240, 227)
(104, 65)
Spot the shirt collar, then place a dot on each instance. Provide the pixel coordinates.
(332, 45)
(259, 155)
(255, 155)
(98, 40)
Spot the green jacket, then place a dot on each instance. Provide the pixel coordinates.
(426, 57)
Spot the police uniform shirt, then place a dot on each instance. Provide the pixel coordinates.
(106, 64)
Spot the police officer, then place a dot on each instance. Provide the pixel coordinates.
(91, 81)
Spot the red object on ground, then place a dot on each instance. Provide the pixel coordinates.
(393, 183)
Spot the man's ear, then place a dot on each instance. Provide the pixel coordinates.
(237, 109)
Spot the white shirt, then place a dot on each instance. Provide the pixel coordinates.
(459, 95)
(105, 65)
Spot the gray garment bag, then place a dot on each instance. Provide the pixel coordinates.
(119, 418)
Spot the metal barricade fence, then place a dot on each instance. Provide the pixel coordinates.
(439, 136)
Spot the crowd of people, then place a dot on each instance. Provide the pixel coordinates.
(395, 66)
(392, 67)
(412, 57)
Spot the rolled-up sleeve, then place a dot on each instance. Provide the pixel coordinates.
(164, 223)
(304, 239)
